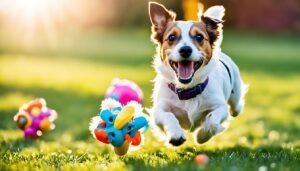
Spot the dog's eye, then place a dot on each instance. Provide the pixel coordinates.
(199, 37)
(172, 38)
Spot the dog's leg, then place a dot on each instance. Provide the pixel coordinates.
(212, 124)
(236, 100)
(169, 123)
(162, 114)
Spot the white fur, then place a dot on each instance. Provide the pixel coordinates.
(206, 112)
(215, 98)
(216, 12)
(174, 55)
(184, 41)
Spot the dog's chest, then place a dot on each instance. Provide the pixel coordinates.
(188, 112)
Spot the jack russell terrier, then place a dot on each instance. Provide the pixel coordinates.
(197, 86)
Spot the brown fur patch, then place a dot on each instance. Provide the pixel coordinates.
(164, 24)
(171, 29)
(204, 46)
(160, 17)
(212, 28)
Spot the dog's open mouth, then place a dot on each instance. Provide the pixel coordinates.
(185, 69)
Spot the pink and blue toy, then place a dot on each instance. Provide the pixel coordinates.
(121, 119)
(34, 118)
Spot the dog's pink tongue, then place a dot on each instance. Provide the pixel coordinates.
(185, 70)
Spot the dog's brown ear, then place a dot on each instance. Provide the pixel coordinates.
(212, 26)
(159, 17)
(213, 21)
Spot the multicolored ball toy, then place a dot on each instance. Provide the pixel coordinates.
(35, 118)
(120, 123)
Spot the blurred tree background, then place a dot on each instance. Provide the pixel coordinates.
(268, 15)
(50, 20)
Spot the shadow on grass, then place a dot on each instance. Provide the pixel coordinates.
(6, 121)
(17, 144)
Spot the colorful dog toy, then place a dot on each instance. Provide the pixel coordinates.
(120, 119)
(34, 118)
(124, 91)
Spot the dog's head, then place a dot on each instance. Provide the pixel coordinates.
(185, 46)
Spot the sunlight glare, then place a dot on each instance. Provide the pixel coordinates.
(26, 19)
(36, 24)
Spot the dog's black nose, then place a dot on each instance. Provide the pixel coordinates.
(185, 51)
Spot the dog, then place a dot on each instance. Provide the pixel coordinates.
(197, 87)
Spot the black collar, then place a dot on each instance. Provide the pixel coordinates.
(186, 94)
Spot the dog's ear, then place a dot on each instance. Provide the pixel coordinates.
(159, 17)
(200, 10)
(213, 21)
(215, 12)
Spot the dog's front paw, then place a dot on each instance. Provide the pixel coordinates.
(177, 141)
(203, 136)
(209, 128)
(235, 111)
(177, 136)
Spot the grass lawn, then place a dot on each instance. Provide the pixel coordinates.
(73, 78)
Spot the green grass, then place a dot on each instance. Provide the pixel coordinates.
(73, 78)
